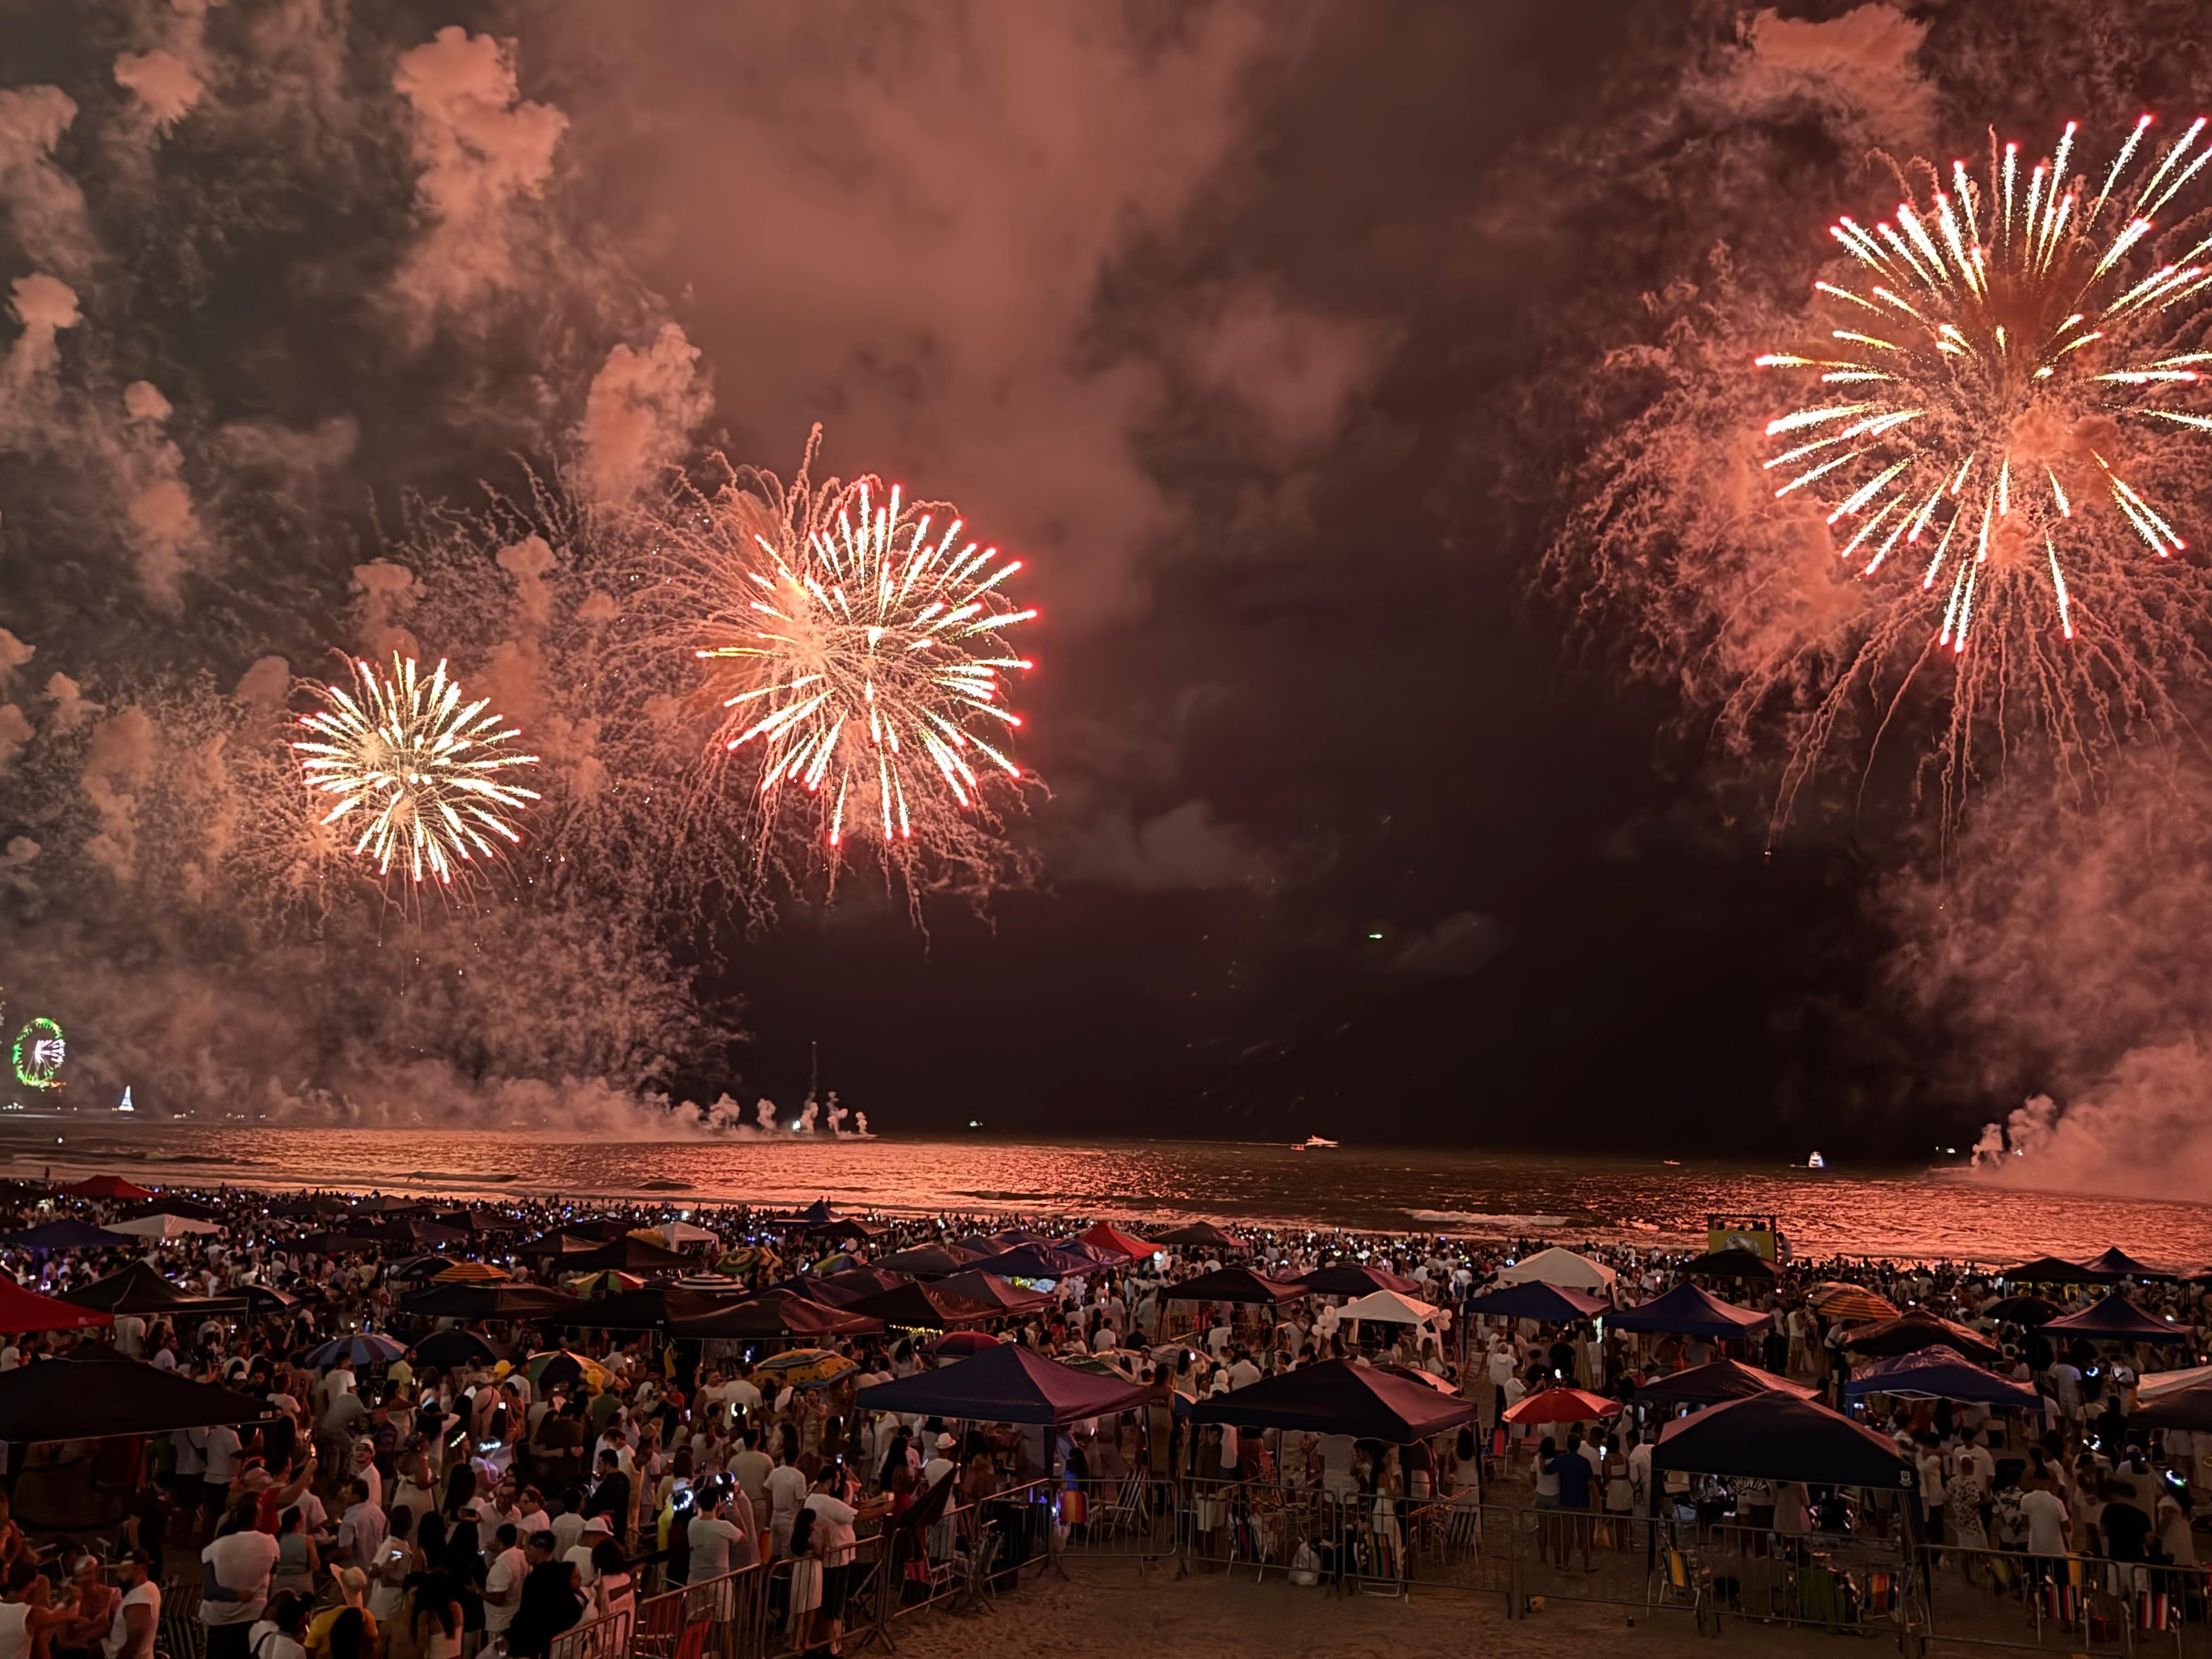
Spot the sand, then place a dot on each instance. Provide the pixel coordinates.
(1108, 1611)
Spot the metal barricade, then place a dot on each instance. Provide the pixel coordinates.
(597, 1638)
(2069, 1604)
(722, 1618)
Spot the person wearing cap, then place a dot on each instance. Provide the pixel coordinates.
(137, 1613)
(940, 1462)
(353, 1594)
(95, 1607)
(596, 1531)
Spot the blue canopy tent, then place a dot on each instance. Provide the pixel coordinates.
(1006, 1384)
(1352, 1280)
(1686, 1310)
(1337, 1397)
(1553, 1304)
(1775, 1435)
(1238, 1285)
(1940, 1373)
(2113, 1318)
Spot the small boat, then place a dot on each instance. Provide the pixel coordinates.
(1816, 1162)
(1312, 1144)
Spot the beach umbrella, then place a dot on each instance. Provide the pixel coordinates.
(457, 1347)
(559, 1365)
(27, 1311)
(71, 1235)
(2117, 1263)
(960, 1343)
(2023, 1310)
(471, 1273)
(1552, 1305)
(162, 1225)
(837, 1262)
(707, 1285)
(1939, 1373)
(1909, 1331)
(105, 1186)
(1559, 1267)
(1849, 1304)
(363, 1347)
(2113, 1318)
(773, 1314)
(748, 1258)
(807, 1368)
(674, 1234)
(1562, 1406)
(1389, 1308)
(1709, 1384)
(1774, 1435)
(1345, 1279)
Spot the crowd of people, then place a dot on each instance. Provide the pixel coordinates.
(431, 1512)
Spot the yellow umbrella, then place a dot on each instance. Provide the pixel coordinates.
(1849, 1303)
(469, 1273)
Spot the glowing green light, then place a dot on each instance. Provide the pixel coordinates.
(40, 1052)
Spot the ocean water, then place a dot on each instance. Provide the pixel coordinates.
(1908, 1213)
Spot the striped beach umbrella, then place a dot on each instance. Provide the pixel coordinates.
(363, 1347)
(1849, 1304)
(807, 1368)
(472, 1272)
(560, 1365)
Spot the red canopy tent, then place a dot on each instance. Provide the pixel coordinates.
(105, 1186)
(27, 1311)
(1105, 1235)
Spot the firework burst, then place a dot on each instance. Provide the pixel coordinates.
(2007, 353)
(858, 658)
(422, 770)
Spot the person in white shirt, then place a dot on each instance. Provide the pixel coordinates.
(503, 1590)
(718, 1545)
(137, 1614)
(940, 1463)
(237, 1565)
(787, 1494)
(2043, 1513)
(595, 1529)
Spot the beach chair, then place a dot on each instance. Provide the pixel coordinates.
(978, 1593)
(181, 1635)
(1680, 1582)
(1124, 1510)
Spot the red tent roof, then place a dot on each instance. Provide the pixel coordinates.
(27, 1311)
(1105, 1235)
(105, 1186)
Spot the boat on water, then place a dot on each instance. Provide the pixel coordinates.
(1312, 1144)
(1816, 1162)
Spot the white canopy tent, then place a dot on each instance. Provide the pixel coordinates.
(162, 1226)
(1559, 1267)
(675, 1234)
(1389, 1307)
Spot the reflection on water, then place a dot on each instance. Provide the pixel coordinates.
(1397, 1188)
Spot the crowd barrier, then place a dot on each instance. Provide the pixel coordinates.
(2071, 1604)
(597, 1638)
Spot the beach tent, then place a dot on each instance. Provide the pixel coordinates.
(818, 1288)
(504, 1301)
(2156, 1385)
(774, 1314)
(1559, 1267)
(2023, 1309)
(1337, 1397)
(2189, 1406)
(1552, 1305)
(650, 1308)
(88, 1399)
(457, 1347)
(1390, 1308)
(1038, 1261)
(311, 1204)
(27, 1311)
(1198, 1235)
(162, 1225)
(139, 1290)
(625, 1254)
(1563, 1405)
(417, 1232)
(1004, 1384)
(1710, 1384)
(972, 1286)
(1730, 1264)
(2113, 1318)
(918, 1308)
(1778, 1436)
(334, 1244)
(2052, 1270)
(1238, 1285)
(71, 1235)
(2117, 1263)
(930, 1260)
(173, 1205)
(105, 1186)
(1940, 1373)
(1686, 1310)
(1011, 1239)
(1345, 1279)
(844, 1227)
(674, 1234)
(867, 1281)
(446, 1271)
(1909, 1331)
(1105, 1235)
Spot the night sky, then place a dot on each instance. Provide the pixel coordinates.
(1270, 336)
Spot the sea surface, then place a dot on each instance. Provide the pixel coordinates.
(1904, 1213)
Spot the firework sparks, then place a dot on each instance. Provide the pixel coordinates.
(862, 652)
(2006, 348)
(421, 768)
